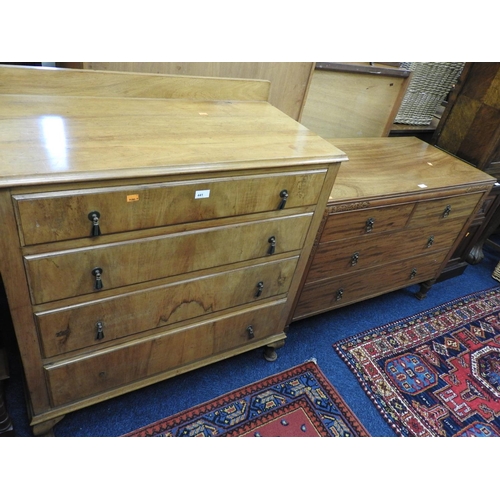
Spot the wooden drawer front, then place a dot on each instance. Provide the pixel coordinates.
(59, 216)
(336, 258)
(110, 368)
(351, 224)
(324, 295)
(433, 212)
(60, 275)
(70, 328)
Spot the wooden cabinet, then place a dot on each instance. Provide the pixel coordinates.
(470, 129)
(147, 237)
(470, 125)
(396, 213)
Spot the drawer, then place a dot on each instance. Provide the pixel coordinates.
(107, 369)
(64, 215)
(340, 257)
(343, 290)
(59, 275)
(95, 323)
(433, 212)
(356, 223)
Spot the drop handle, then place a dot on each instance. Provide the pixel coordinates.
(369, 225)
(284, 197)
(339, 294)
(99, 326)
(94, 217)
(260, 287)
(250, 332)
(354, 258)
(413, 273)
(97, 272)
(447, 211)
(272, 245)
(430, 241)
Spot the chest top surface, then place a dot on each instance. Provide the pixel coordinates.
(47, 139)
(392, 166)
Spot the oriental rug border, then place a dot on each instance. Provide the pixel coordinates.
(270, 407)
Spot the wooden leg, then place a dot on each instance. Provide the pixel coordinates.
(46, 428)
(424, 289)
(270, 353)
(476, 254)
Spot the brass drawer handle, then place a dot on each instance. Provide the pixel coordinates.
(272, 247)
(99, 326)
(284, 197)
(354, 258)
(413, 273)
(94, 217)
(447, 211)
(97, 272)
(430, 241)
(339, 294)
(260, 287)
(369, 225)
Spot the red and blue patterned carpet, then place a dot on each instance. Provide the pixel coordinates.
(436, 373)
(299, 402)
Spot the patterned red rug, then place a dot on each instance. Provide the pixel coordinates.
(436, 373)
(299, 402)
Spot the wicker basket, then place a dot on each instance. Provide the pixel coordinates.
(496, 272)
(429, 85)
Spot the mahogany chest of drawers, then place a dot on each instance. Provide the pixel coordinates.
(397, 211)
(147, 237)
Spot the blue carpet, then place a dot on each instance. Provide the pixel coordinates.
(308, 338)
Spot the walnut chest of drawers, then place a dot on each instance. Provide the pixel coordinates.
(398, 209)
(147, 237)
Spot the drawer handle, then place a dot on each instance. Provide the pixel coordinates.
(340, 294)
(94, 217)
(354, 258)
(369, 225)
(250, 332)
(430, 241)
(272, 247)
(260, 287)
(97, 272)
(99, 326)
(447, 211)
(284, 197)
(413, 273)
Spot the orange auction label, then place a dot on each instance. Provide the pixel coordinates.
(132, 197)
